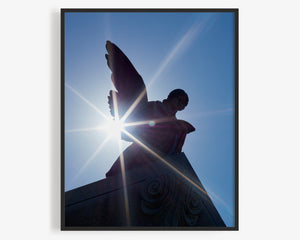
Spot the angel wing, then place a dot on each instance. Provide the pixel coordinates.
(127, 81)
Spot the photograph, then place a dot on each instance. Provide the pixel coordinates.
(149, 119)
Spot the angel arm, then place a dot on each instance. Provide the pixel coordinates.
(186, 127)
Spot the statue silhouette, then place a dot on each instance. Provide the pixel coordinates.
(154, 123)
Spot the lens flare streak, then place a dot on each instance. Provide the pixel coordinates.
(165, 162)
(148, 122)
(85, 129)
(124, 184)
(123, 170)
(133, 105)
(184, 42)
(93, 156)
(219, 200)
(87, 101)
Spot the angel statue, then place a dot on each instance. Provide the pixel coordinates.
(149, 124)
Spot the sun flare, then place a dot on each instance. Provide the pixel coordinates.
(113, 127)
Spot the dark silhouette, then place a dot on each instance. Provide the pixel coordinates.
(153, 123)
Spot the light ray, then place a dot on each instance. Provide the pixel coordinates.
(107, 28)
(93, 156)
(133, 105)
(217, 199)
(87, 101)
(115, 103)
(123, 170)
(148, 122)
(210, 195)
(85, 129)
(210, 113)
(136, 123)
(186, 40)
(226, 110)
(165, 162)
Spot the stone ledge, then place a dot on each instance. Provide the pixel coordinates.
(163, 198)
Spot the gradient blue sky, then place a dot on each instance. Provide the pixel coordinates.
(192, 51)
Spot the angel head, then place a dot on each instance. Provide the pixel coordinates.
(177, 100)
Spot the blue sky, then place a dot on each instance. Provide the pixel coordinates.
(192, 51)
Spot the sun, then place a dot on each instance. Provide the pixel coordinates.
(113, 128)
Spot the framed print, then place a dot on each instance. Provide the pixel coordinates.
(149, 119)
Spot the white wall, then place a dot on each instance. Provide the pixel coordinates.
(269, 119)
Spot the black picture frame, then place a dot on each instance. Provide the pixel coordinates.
(236, 120)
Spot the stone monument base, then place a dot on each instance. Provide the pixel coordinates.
(169, 196)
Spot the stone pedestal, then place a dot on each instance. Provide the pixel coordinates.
(155, 196)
